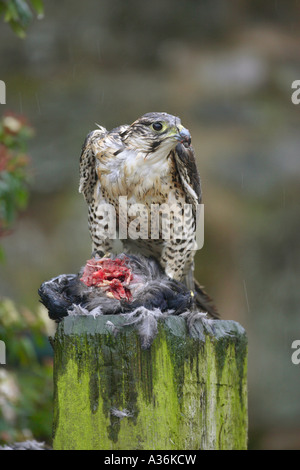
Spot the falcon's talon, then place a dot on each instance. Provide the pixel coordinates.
(97, 254)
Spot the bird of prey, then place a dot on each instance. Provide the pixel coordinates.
(149, 164)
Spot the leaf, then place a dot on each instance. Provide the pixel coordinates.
(11, 12)
(24, 12)
(18, 14)
(18, 29)
(38, 7)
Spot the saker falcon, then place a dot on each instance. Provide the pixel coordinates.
(150, 162)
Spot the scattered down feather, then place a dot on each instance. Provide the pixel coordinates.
(26, 445)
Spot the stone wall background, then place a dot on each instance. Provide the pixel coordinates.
(226, 69)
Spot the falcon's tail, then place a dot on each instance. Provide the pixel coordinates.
(204, 302)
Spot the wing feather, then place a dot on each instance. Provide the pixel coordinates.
(87, 171)
(189, 176)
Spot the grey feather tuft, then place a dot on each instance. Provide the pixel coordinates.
(26, 445)
(146, 321)
(112, 328)
(191, 317)
(120, 413)
(79, 310)
(195, 323)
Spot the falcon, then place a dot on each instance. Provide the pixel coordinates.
(148, 164)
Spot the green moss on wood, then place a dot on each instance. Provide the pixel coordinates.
(185, 392)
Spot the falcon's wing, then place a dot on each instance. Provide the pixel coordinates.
(105, 145)
(88, 175)
(190, 179)
(189, 176)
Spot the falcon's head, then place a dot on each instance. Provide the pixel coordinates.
(156, 133)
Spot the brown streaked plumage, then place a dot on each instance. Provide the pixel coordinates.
(148, 162)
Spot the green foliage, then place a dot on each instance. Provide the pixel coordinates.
(19, 14)
(14, 173)
(26, 379)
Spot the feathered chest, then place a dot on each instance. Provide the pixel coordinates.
(142, 179)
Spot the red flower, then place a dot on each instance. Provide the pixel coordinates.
(113, 276)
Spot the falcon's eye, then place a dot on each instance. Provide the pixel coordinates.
(157, 126)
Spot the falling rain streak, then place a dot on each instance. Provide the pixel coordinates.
(246, 296)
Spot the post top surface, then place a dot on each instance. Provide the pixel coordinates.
(177, 326)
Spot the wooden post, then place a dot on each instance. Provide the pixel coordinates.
(186, 392)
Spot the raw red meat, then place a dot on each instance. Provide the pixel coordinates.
(113, 276)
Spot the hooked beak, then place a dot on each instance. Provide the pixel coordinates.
(184, 136)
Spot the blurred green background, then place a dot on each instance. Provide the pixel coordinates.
(226, 69)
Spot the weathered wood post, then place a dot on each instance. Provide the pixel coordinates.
(186, 392)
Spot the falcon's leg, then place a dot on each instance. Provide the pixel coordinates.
(102, 229)
(189, 282)
(173, 260)
(102, 247)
